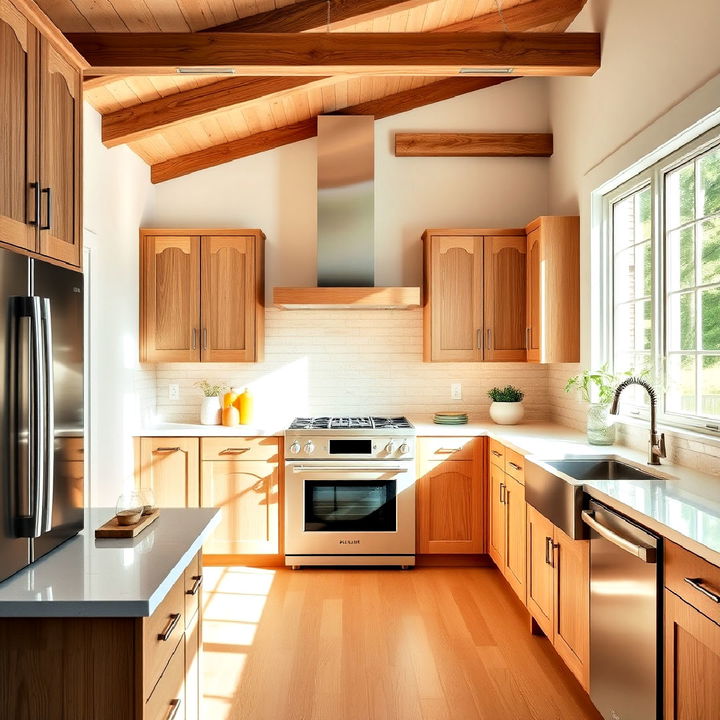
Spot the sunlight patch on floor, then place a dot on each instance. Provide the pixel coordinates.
(233, 603)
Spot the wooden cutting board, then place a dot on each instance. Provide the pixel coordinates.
(111, 529)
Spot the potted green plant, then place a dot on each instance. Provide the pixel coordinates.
(210, 408)
(596, 387)
(506, 407)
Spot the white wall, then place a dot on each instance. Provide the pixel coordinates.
(117, 196)
(275, 191)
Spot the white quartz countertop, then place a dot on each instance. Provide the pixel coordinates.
(166, 429)
(89, 577)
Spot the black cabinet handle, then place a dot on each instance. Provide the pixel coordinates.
(165, 634)
(513, 465)
(35, 187)
(196, 585)
(48, 208)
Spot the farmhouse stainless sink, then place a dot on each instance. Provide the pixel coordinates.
(555, 487)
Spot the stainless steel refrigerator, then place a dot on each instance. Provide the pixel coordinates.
(41, 371)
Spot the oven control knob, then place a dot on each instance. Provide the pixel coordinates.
(390, 447)
(309, 447)
(404, 449)
(295, 448)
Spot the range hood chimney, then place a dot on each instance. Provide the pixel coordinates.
(345, 223)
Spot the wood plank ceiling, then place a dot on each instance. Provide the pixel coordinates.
(192, 123)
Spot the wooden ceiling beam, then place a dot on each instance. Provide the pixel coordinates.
(270, 139)
(426, 54)
(316, 14)
(473, 144)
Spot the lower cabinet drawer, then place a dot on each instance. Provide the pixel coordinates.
(695, 580)
(161, 632)
(167, 701)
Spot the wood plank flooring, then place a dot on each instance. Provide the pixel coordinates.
(426, 644)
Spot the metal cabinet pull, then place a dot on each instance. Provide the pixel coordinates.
(196, 585)
(503, 493)
(447, 451)
(204, 347)
(479, 339)
(549, 554)
(515, 466)
(174, 707)
(696, 583)
(194, 338)
(489, 339)
(167, 449)
(165, 634)
(48, 208)
(234, 451)
(496, 453)
(35, 187)
(528, 338)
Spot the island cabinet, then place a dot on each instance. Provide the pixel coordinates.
(692, 636)
(474, 299)
(114, 668)
(40, 117)
(558, 591)
(507, 515)
(450, 495)
(202, 295)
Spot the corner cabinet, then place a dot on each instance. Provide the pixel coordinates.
(41, 120)
(474, 295)
(202, 295)
(553, 289)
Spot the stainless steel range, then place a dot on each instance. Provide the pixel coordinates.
(350, 491)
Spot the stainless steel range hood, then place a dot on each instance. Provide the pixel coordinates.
(345, 223)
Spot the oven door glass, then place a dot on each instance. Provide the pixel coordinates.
(355, 505)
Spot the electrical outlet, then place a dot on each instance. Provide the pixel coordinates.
(173, 391)
(455, 391)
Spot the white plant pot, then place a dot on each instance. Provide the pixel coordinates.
(210, 411)
(507, 413)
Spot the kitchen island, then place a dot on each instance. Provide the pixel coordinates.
(107, 629)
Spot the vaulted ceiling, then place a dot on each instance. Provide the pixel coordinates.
(182, 123)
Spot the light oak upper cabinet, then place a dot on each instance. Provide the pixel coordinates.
(553, 289)
(450, 496)
(40, 145)
(170, 467)
(474, 298)
(202, 295)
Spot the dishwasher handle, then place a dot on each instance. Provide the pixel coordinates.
(646, 554)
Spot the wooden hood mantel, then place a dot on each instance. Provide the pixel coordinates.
(347, 298)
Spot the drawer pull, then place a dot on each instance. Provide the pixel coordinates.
(447, 451)
(234, 451)
(174, 707)
(514, 466)
(502, 493)
(196, 585)
(165, 634)
(697, 584)
(167, 449)
(496, 453)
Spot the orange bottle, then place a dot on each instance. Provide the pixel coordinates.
(230, 416)
(230, 397)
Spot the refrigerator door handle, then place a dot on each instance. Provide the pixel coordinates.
(47, 414)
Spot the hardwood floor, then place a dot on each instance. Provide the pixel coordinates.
(427, 644)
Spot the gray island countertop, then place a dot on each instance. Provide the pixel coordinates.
(89, 577)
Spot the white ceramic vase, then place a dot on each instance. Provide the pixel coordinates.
(210, 411)
(507, 413)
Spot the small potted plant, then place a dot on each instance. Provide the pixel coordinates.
(506, 407)
(210, 409)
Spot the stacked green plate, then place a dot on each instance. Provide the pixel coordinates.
(450, 418)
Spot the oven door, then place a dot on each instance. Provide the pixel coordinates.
(349, 507)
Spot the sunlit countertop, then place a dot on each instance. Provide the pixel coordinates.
(89, 577)
(167, 429)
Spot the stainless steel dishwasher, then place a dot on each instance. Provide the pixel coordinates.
(625, 616)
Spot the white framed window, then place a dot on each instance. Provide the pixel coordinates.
(662, 235)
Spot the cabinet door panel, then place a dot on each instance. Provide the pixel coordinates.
(572, 604)
(692, 662)
(505, 298)
(18, 135)
(456, 278)
(170, 468)
(193, 647)
(170, 313)
(449, 507)
(534, 327)
(228, 298)
(540, 570)
(498, 486)
(61, 156)
(515, 566)
(248, 494)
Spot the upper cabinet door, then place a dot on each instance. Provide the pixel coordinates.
(453, 298)
(61, 157)
(505, 336)
(18, 129)
(170, 299)
(230, 298)
(534, 326)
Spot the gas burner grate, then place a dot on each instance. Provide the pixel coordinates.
(350, 423)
